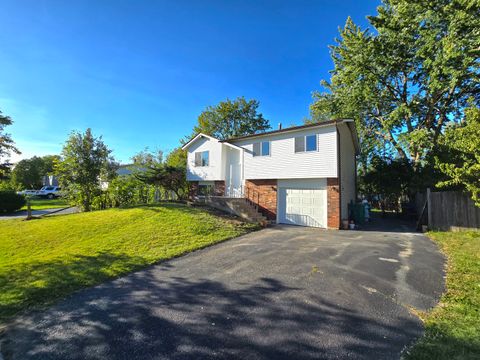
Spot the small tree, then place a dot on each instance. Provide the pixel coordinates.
(232, 118)
(85, 163)
(170, 178)
(459, 158)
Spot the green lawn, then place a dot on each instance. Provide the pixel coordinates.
(40, 203)
(43, 260)
(452, 329)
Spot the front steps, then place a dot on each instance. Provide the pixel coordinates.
(237, 206)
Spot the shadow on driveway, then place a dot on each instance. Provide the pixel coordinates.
(280, 293)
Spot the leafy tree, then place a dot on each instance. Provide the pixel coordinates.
(459, 159)
(147, 157)
(28, 173)
(406, 79)
(388, 179)
(232, 118)
(7, 146)
(177, 158)
(170, 178)
(85, 163)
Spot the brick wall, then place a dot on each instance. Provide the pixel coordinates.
(219, 188)
(263, 193)
(192, 189)
(333, 203)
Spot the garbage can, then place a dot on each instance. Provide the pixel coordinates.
(356, 212)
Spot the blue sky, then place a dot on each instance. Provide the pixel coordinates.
(140, 72)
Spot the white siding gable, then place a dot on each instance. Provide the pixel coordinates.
(215, 170)
(284, 163)
(347, 169)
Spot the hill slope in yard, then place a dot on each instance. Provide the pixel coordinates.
(46, 259)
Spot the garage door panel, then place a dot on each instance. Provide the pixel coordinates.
(305, 207)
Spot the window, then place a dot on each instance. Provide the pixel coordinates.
(311, 143)
(202, 158)
(261, 148)
(306, 143)
(205, 190)
(205, 158)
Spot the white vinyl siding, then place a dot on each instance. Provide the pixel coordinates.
(285, 163)
(347, 169)
(215, 170)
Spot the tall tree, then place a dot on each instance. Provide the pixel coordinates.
(7, 145)
(28, 173)
(232, 118)
(406, 79)
(85, 163)
(459, 158)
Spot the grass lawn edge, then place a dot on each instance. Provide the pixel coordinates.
(6, 322)
(449, 327)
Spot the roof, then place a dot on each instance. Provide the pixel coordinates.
(292, 128)
(193, 139)
(350, 123)
(200, 135)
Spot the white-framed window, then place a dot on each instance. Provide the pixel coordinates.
(202, 158)
(261, 148)
(306, 143)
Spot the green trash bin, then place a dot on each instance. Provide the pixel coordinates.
(356, 212)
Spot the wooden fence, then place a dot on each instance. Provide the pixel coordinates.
(448, 210)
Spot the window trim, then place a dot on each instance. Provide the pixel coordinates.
(201, 158)
(305, 144)
(261, 148)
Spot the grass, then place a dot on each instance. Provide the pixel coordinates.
(41, 203)
(46, 259)
(452, 329)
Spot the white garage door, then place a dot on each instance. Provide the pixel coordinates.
(303, 202)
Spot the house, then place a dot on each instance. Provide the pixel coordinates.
(303, 175)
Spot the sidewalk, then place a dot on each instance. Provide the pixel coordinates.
(43, 212)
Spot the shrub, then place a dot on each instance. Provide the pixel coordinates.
(10, 201)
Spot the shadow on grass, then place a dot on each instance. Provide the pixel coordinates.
(439, 344)
(154, 314)
(41, 283)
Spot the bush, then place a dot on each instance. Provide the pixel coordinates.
(10, 201)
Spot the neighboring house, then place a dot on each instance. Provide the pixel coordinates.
(304, 175)
(50, 180)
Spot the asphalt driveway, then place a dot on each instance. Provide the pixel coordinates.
(280, 293)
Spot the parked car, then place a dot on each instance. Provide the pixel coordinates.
(49, 192)
(27, 192)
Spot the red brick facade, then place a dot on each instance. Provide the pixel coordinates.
(192, 189)
(333, 203)
(263, 193)
(219, 188)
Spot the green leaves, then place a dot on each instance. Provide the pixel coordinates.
(85, 163)
(459, 154)
(231, 119)
(403, 81)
